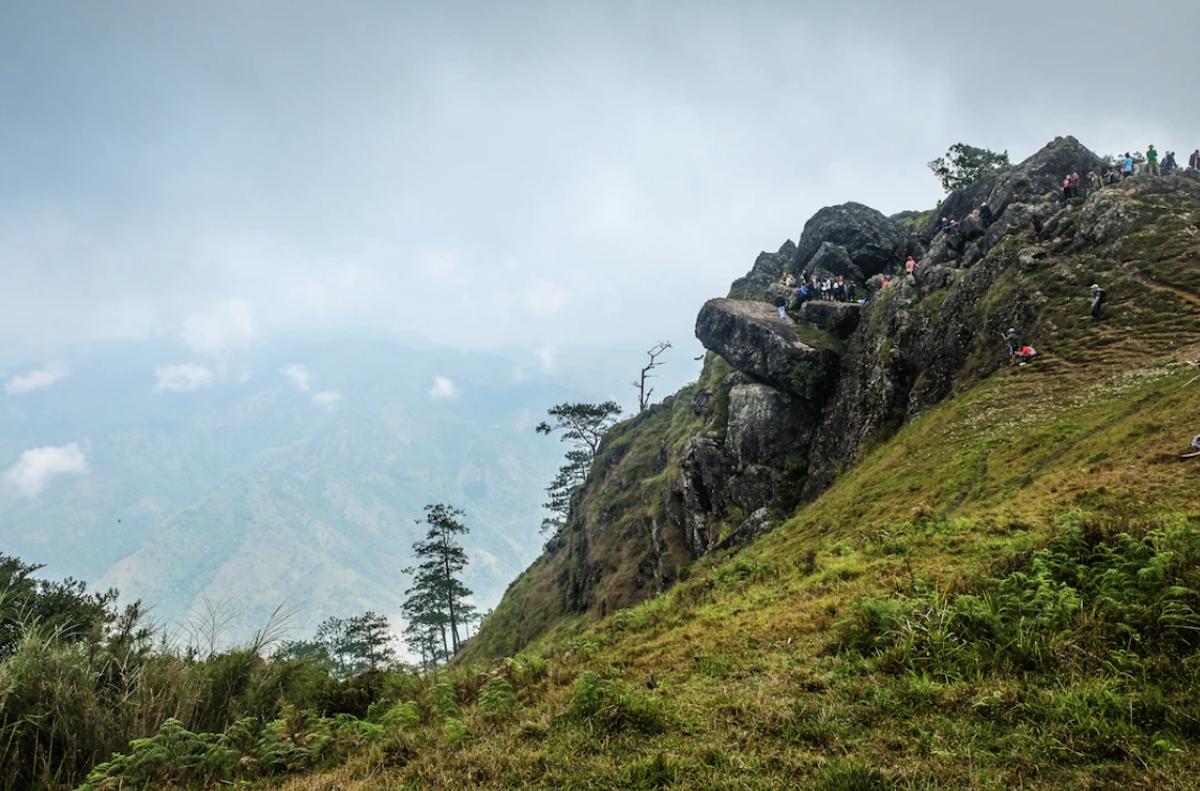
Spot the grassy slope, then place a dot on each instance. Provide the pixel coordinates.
(740, 677)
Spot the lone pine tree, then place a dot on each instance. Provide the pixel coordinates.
(437, 601)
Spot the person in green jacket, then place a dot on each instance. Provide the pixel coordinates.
(1152, 161)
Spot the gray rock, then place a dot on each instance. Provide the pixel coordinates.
(1107, 214)
(872, 242)
(705, 471)
(930, 278)
(1029, 256)
(766, 425)
(832, 260)
(767, 269)
(972, 255)
(754, 340)
(755, 525)
(840, 318)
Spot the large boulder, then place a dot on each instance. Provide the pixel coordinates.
(768, 268)
(754, 340)
(1039, 174)
(840, 318)
(872, 242)
(766, 425)
(832, 260)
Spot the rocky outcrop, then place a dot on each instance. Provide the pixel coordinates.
(767, 269)
(766, 425)
(1039, 174)
(832, 260)
(755, 341)
(871, 241)
(839, 318)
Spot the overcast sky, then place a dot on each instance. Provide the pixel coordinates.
(529, 173)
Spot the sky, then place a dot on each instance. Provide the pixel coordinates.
(525, 175)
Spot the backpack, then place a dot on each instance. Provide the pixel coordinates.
(1102, 296)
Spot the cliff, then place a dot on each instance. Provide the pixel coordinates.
(785, 407)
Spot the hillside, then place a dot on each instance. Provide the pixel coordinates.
(863, 551)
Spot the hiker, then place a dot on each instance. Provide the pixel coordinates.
(954, 226)
(1098, 299)
(1194, 160)
(884, 284)
(985, 214)
(1127, 166)
(788, 280)
(1036, 222)
(781, 303)
(1152, 161)
(1066, 189)
(1076, 185)
(1093, 180)
(1026, 354)
(837, 289)
(975, 211)
(910, 265)
(1014, 345)
(1169, 165)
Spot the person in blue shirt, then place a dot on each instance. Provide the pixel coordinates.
(1127, 165)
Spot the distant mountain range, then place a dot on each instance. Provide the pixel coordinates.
(291, 474)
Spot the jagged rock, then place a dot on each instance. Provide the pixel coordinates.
(754, 487)
(705, 471)
(972, 228)
(840, 318)
(944, 248)
(754, 526)
(1107, 214)
(1029, 256)
(766, 425)
(832, 260)
(767, 269)
(873, 242)
(1039, 174)
(972, 254)
(754, 340)
(934, 277)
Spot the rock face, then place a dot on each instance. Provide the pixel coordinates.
(1039, 174)
(767, 269)
(832, 260)
(840, 318)
(755, 341)
(871, 241)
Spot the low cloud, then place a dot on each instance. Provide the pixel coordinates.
(299, 376)
(36, 380)
(32, 473)
(443, 388)
(547, 354)
(327, 398)
(302, 379)
(228, 326)
(182, 378)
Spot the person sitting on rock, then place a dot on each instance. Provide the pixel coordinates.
(1098, 299)
(954, 226)
(1152, 161)
(1026, 354)
(788, 280)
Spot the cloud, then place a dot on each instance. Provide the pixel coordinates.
(443, 388)
(32, 473)
(36, 380)
(302, 379)
(326, 398)
(229, 326)
(182, 378)
(299, 376)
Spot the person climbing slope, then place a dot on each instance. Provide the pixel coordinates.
(1098, 299)
(1014, 345)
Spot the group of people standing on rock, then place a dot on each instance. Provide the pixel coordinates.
(1073, 184)
(827, 289)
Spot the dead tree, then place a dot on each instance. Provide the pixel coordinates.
(643, 393)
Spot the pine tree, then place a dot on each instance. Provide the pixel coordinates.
(437, 601)
(584, 425)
